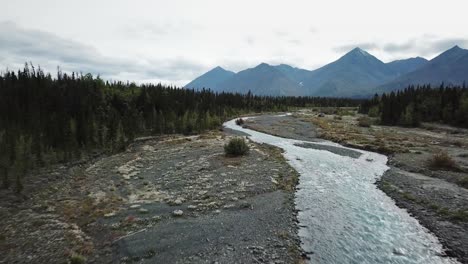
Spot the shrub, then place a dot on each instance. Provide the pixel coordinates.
(463, 182)
(77, 259)
(442, 160)
(240, 122)
(364, 122)
(236, 147)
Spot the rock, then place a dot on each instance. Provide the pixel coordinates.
(143, 210)
(134, 206)
(192, 207)
(217, 211)
(109, 215)
(398, 251)
(177, 213)
(178, 201)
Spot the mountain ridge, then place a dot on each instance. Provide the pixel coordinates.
(355, 74)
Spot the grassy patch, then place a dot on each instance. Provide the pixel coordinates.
(364, 122)
(408, 196)
(288, 182)
(463, 182)
(77, 259)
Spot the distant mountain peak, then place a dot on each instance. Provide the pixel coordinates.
(263, 64)
(219, 68)
(359, 51)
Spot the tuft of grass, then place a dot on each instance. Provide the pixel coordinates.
(460, 215)
(364, 122)
(408, 196)
(463, 182)
(77, 259)
(442, 160)
(236, 147)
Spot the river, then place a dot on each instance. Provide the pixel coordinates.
(343, 217)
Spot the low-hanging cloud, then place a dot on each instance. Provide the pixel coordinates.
(19, 45)
(362, 45)
(426, 45)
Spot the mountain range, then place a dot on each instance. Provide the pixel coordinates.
(356, 74)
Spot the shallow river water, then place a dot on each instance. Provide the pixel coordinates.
(343, 217)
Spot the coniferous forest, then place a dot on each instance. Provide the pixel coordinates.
(46, 119)
(410, 107)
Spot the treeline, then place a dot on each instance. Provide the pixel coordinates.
(45, 119)
(445, 104)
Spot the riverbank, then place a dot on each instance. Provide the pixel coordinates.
(437, 198)
(172, 199)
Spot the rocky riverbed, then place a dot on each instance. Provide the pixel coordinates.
(438, 198)
(175, 199)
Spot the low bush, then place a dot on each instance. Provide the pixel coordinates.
(463, 182)
(442, 160)
(77, 259)
(240, 122)
(236, 147)
(364, 122)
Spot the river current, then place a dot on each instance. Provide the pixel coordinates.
(343, 217)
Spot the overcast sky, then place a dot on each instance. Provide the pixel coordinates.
(174, 41)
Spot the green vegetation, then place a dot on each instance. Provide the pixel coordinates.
(240, 122)
(236, 147)
(414, 105)
(463, 182)
(46, 120)
(364, 121)
(442, 160)
(77, 259)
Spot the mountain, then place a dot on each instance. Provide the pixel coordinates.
(296, 74)
(401, 67)
(210, 79)
(264, 79)
(450, 67)
(352, 75)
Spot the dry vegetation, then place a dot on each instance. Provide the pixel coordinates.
(442, 160)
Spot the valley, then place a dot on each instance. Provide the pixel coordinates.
(178, 199)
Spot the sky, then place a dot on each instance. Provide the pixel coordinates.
(174, 41)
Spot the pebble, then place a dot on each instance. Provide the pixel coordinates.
(143, 210)
(177, 213)
(109, 214)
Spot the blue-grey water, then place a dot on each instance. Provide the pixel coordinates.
(343, 217)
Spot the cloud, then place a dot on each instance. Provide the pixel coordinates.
(425, 45)
(250, 40)
(363, 45)
(19, 45)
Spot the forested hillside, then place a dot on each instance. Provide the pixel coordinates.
(45, 119)
(413, 105)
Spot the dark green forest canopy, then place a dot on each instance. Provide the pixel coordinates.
(54, 119)
(409, 107)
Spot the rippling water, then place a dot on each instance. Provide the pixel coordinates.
(343, 217)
